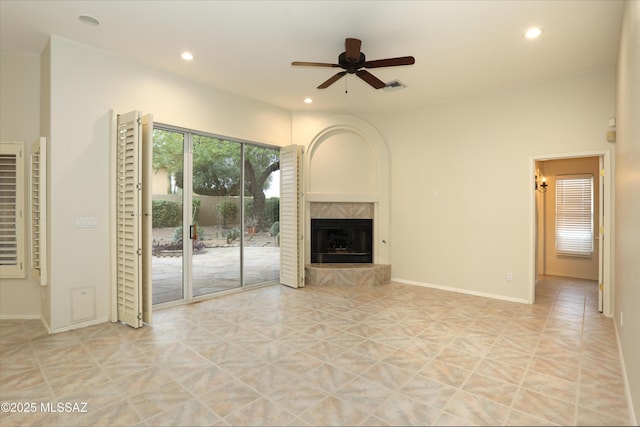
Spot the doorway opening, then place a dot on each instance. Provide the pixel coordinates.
(571, 205)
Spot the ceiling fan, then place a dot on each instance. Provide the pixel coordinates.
(352, 61)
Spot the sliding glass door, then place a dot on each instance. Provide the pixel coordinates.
(215, 215)
(167, 262)
(261, 254)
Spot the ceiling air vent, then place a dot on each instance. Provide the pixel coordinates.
(394, 85)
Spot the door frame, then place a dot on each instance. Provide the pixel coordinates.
(605, 218)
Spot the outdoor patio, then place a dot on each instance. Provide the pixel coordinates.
(216, 267)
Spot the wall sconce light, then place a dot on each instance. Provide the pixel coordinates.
(542, 187)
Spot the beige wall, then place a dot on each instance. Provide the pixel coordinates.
(558, 265)
(462, 179)
(627, 216)
(85, 84)
(20, 121)
(343, 164)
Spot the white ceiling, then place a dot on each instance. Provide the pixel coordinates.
(461, 48)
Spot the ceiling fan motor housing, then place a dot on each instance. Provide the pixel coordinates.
(349, 64)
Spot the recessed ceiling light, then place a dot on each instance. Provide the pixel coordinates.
(89, 20)
(187, 56)
(533, 33)
(308, 100)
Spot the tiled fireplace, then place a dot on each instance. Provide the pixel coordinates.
(342, 246)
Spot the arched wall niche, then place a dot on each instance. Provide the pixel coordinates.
(342, 161)
(346, 173)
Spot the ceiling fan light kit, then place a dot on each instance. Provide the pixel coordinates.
(352, 61)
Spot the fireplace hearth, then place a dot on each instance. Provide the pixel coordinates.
(341, 240)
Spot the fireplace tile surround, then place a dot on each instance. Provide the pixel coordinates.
(345, 274)
(338, 210)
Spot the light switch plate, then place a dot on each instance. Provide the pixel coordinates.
(86, 222)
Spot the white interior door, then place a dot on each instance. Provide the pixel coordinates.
(601, 234)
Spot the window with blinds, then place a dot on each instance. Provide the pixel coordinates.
(11, 210)
(574, 215)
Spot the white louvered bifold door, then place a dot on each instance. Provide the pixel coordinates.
(128, 219)
(11, 210)
(291, 217)
(39, 251)
(147, 158)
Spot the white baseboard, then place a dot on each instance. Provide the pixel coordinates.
(79, 325)
(627, 390)
(460, 291)
(19, 316)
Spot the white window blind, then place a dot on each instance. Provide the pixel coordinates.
(574, 215)
(11, 210)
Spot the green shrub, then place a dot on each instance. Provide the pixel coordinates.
(232, 234)
(168, 213)
(248, 207)
(226, 212)
(272, 210)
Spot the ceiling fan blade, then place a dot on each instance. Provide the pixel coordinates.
(371, 79)
(352, 49)
(390, 62)
(314, 64)
(332, 80)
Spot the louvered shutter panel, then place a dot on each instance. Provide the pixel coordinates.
(291, 217)
(11, 210)
(147, 158)
(128, 215)
(39, 251)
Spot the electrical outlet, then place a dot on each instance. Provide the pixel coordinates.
(509, 277)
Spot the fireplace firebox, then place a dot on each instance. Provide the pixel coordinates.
(341, 240)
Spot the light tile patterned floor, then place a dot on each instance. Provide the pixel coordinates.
(389, 355)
